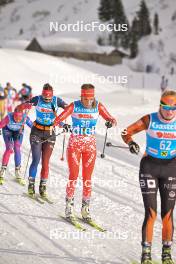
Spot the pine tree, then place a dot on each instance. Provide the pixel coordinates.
(144, 20)
(120, 38)
(5, 2)
(133, 46)
(105, 10)
(156, 24)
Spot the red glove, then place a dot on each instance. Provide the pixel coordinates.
(113, 121)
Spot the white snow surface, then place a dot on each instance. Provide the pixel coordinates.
(34, 233)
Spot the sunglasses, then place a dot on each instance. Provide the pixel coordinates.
(167, 107)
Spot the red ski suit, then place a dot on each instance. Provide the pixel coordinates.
(83, 147)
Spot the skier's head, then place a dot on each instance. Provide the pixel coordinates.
(47, 93)
(88, 95)
(168, 105)
(17, 115)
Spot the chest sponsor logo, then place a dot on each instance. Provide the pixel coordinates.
(167, 135)
(45, 110)
(85, 116)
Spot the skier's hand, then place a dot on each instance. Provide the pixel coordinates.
(134, 147)
(67, 128)
(111, 123)
(108, 124)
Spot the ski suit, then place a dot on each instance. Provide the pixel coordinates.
(42, 130)
(13, 137)
(157, 171)
(82, 143)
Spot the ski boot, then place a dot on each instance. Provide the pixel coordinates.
(31, 187)
(2, 173)
(18, 177)
(85, 212)
(146, 254)
(166, 254)
(69, 209)
(42, 189)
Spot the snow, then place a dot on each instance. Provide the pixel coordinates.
(34, 17)
(36, 233)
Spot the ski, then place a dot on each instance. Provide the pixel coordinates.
(34, 198)
(74, 222)
(137, 262)
(20, 181)
(46, 199)
(93, 224)
(1, 181)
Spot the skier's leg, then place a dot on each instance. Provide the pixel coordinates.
(7, 136)
(88, 163)
(47, 149)
(73, 159)
(17, 150)
(167, 187)
(36, 150)
(17, 155)
(149, 171)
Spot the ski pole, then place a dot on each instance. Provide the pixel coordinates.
(27, 164)
(43, 141)
(63, 148)
(102, 154)
(109, 144)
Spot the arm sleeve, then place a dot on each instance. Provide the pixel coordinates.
(67, 112)
(4, 121)
(61, 103)
(138, 126)
(104, 113)
(29, 122)
(32, 102)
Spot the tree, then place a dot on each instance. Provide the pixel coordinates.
(105, 10)
(144, 20)
(156, 24)
(5, 2)
(133, 46)
(120, 38)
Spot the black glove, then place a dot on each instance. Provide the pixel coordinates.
(108, 124)
(134, 147)
(67, 128)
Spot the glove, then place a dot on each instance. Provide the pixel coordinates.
(108, 124)
(67, 128)
(134, 147)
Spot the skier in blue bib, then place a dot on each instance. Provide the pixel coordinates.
(46, 106)
(13, 129)
(157, 171)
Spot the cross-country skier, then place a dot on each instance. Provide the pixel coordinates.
(157, 171)
(82, 145)
(25, 93)
(10, 94)
(46, 106)
(13, 129)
